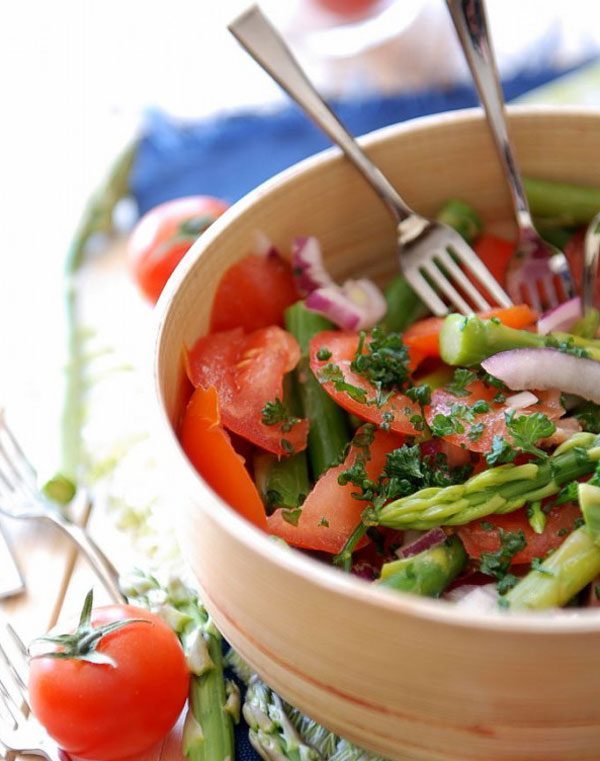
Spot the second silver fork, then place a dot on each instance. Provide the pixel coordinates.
(437, 262)
(536, 266)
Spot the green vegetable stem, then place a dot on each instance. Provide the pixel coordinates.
(214, 700)
(403, 306)
(498, 490)
(462, 217)
(567, 205)
(329, 430)
(428, 573)
(467, 341)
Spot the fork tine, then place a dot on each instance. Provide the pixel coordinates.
(547, 283)
(425, 291)
(16, 472)
(433, 272)
(467, 287)
(17, 678)
(478, 269)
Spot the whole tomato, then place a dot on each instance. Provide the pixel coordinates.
(163, 235)
(117, 696)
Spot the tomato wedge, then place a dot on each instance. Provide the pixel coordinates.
(495, 253)
(424, 336)
(330, 513)
(482, 536)
(479, 429)
(247, 370)
(397, 410)
(253, 293)
(209, 449)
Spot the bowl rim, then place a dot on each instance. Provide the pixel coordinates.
(549, 623)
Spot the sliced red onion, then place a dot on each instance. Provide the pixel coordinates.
(263, 246)
(365, 294)
(546, 369)
(307, 265)
(479, 599)
(562, 317)
(331, 303)
(429, 539)
(520, 400)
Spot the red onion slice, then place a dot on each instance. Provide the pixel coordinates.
(546, 369)
(562, 317)
(307, 265)
(429, 539)
(521, 400)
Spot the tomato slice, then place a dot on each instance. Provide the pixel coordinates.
(330, 513)
(424, 336)
(478, 538)
(209, 448)
(397, 410)
(480, 428)
(253, 293)
(247, 370)
(495, 253)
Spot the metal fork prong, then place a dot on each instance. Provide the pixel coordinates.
(13, 462)
(433, 272)
(17, 678)
(533, 296)
(10, 705)
(21, 646)
(467, 287)
(482, 274)
(425, 291)
(547, 283)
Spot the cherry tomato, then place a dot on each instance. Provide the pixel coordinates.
(483, 535)
(253, 293)
(104, 712)
(247, 371)
(330, 513)
(342, 347)
(209, 448)
(162, 237)
(490, 423)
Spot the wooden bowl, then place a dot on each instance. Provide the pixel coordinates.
(406, 677)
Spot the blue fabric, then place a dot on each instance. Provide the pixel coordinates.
(228, 156)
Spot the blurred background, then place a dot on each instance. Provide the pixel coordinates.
(81, 80)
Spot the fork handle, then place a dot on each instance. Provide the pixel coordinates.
(262, 41)
(101, 565)
(470, 22)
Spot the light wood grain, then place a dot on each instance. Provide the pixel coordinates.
(413, 679)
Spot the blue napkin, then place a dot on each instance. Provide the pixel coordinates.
(227, 156)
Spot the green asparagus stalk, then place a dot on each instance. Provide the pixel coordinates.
(214, 701)
(498, 490)
(403, 306)
(281, 482)
(462, 217)
(567, 205)
(466, 341)
(428, 573)
(552, 232)
(329, 431)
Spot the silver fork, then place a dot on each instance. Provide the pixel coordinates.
(433, 257)
(536, 266)
(20, 732)
(21, 499)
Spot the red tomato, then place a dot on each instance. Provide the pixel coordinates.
(495, 253)
(424, 335)
(209, 448)
(102, 712)
(560, 521)
(253, 293)
(163, 235)
(343, 347)
(330, 513)
(247, 370)
(493, 421)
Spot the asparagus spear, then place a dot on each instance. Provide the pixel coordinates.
(469, 340)
(328, 433)
(428, 573)
(498, 490)
(403, 306)
(567, 204)
(214, 701)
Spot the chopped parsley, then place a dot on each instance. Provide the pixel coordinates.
(324, 522)
(462, 378)
(566, 346)
(383, 360)
(287, 446)
(537, 565)
(588, 416)
(333, 374)
(497, 564)
(291, 516)
(420, 394)
(459, 417)
(524, 431)
(275, 413)
(323, 354)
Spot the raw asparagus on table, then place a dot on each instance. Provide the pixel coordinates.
(214, 701)
(427, 573)
(498, 490)
(329, 431)
(467, 341)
